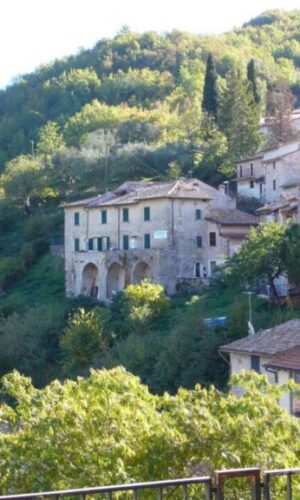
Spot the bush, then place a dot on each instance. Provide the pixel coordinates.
(143, 302)
(85, 337)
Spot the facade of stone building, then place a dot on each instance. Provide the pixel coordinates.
(265, 175)
(169, 232)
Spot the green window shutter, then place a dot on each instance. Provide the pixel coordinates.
(146, 213)
(99, 244)
(91, 244)
(76, 244)
(199, 241)
(125, 242)
(147, 240)
(125, 214)
(198, 214)
(108, 243)
(103, 216)
(76, 218)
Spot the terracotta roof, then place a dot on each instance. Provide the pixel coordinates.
(133, 192)
(289, 203)
(272, 341)
(230, 217)
(288, 360)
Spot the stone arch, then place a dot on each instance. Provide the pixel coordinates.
(141, 271)
(115, 279)
(90, 280)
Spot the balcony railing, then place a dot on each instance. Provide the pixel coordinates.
(260, 487)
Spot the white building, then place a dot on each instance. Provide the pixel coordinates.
(274, 352)
(265, 175)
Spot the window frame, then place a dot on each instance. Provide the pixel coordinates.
(212, 239)
(76, 244)
(198, 214)
(147, 241)
(125, 214)
(125, 242)
(103, 216)
(199, 241)
(76, 218)
(147, 214)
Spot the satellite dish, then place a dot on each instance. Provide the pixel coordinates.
(251, 330)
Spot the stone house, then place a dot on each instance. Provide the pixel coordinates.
(266, 175)
(170, 232)
(274, 352)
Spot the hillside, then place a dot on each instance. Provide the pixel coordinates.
(129, 108)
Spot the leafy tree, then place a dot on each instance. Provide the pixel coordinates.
(279, 108)
(112, 430)
(143, 302)
(85, 337)
(291, 254)
(50, 141)
(25, 183)
(30, 342)
(251, 75)
(239, 116)
(260, 256)
(210, 97)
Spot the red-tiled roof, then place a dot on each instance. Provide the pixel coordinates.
(273, 341)
(288, 360)
(230, 217)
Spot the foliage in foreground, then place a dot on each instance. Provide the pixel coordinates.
(109, 429)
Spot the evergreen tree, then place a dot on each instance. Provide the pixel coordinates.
(239, 117)
(252, 80)
(210, 98)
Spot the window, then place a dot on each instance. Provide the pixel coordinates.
(147, 240)
(103, 216)
(251, 184)
(125, 214)
(198, 214)
(76, 244)
(241, 170)
(125, 242)
(251, 168)
(212, 239)
(255, 363)
(76, 218)
(91, 244)
(274, 165)
(213, 267)
(198, 270)
(103, 243)
(260, 189)
(274, 184)
(199, 241)
(146, 213)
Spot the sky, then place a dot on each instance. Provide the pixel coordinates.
(35, 32)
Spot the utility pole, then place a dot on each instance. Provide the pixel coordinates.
(32, 148)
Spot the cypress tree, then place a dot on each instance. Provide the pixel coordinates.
(252, 80)
(210, 99)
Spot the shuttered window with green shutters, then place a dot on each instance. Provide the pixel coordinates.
(103, 216)
(91, 244)
(76, 244)
(99, 244)
(125, 242)
(146, 213)
(125, 214)
(76, 218)
(147, 240)
(198, 214)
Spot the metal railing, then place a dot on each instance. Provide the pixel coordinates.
(159, 487)
(260, 488)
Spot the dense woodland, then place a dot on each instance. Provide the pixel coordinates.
(138, 106)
